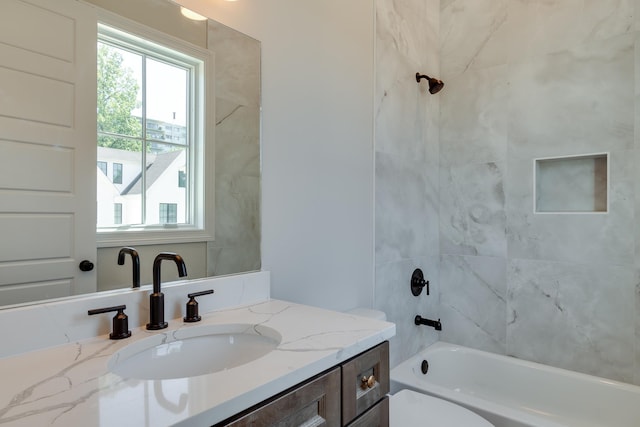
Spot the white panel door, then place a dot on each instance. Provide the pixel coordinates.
(47, 149)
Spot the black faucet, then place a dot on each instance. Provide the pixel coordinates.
(135, 259)
(419, 320)
(156, 299)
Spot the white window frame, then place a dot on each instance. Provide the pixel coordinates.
(202, 159)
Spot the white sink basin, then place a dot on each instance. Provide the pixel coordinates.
(194, 350)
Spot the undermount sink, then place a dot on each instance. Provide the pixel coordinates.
(194, 350)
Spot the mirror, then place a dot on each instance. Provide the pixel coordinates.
(236, 246)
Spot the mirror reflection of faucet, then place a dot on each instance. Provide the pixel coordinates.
(135, 261)
(176, 408)
(156, 299)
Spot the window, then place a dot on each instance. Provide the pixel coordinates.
(151, 109)
(117, 213)
(117, 173)
(168, 213)
(103, 167)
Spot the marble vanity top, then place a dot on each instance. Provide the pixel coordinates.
(70, 384)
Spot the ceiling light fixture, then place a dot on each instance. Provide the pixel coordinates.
(187, 13)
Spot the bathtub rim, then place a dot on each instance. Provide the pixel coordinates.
(445, 346)
(403, 377)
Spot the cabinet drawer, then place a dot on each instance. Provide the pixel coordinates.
(316, 403)
(378, 416)
(356, 396)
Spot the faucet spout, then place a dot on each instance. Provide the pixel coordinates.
(419, 320)
(156, 299)
(182, 268)
(135, 260)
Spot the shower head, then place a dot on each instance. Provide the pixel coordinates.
(435, 85)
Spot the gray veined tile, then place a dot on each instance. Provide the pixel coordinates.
(573, 102)
(542, 27)
(473, 301)
(406, 115)
(636, 378)
(573, 316)
(408, 26)
(472, 35)
(637, 86)
(237, 64)
(472, 210)
(603, 19)
(570, 87)
(473, 117)
(406, 209)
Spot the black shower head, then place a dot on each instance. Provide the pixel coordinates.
(435, 85)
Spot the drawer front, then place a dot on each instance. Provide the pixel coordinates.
(316, 403)
(357, 396)
(378, 416)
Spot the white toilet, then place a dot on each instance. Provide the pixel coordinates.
(409, 408)
(369, 312)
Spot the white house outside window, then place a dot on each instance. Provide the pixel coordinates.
(150, 129)
(102, 166)
(117, 173)
(168, 213)
(117, 213)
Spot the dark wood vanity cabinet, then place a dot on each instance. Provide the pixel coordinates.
(377, 416)
(352, 394)
(313, 403)
(365, 384)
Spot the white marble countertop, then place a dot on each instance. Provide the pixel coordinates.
(70, 384)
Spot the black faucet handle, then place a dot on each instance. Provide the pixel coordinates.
(418, 282)
(192, 306)
(199, 294)
(120, 321)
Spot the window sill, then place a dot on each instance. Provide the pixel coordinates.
(108, 239)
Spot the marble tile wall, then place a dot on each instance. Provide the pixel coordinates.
(406, 168)
(527, 79)
(236, 247)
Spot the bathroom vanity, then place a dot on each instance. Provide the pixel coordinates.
(352, 394)
(317, 363)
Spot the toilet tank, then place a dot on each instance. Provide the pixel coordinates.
(369, 312)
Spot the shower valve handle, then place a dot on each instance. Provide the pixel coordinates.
(418, 282)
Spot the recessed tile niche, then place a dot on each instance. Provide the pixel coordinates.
(572, 184)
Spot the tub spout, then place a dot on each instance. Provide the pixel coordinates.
(419, 320)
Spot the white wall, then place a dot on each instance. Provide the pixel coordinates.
(317, 143)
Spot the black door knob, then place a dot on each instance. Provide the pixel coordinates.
(86, 265)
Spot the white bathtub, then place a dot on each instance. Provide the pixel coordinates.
(515, 393)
